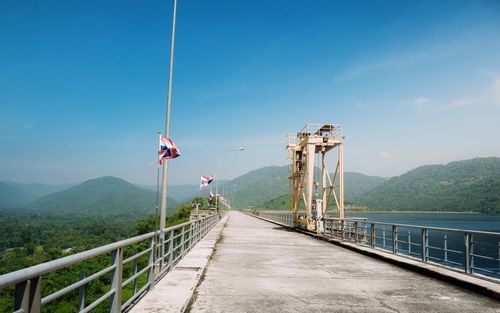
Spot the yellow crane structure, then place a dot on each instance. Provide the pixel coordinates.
(310, 182)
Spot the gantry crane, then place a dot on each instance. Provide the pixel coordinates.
(315, 191)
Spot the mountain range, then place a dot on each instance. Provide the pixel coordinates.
(101, 197)
(470, 185)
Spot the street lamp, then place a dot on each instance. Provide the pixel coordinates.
(163, 208)
(217, 180)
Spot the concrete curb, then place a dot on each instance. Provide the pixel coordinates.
(483, 287)
(174, 292)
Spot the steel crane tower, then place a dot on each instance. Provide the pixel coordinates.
(309, 192)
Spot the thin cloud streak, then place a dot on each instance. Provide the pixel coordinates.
(485, 96)
(432, 53)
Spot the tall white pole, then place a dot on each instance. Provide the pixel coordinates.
(163, 210)
(310, 177)
(217, 176)
(341, 180)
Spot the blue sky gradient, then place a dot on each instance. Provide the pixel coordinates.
(83, 84)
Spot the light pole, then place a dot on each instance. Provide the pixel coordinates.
(163, 210)
(217, 168)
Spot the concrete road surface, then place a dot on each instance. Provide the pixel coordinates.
(261, 267)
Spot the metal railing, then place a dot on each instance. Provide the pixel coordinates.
(285, 218)
(294, 138)
(475, 253)
(146, 258)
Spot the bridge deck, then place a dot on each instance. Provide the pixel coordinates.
(261, 267)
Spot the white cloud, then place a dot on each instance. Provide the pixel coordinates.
(462, 102)
(420, 103)
(385, 155)
(485, 96)
(495, 88)
(431, 52)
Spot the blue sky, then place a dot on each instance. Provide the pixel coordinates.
(83, 84)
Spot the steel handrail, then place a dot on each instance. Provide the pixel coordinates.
(389, 237)
(444, 229)
(28, 280)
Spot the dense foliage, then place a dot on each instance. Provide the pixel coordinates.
(259, 186)
(471, 185)
(101, 197)
(12, 197)
(28, 239)
(265, 185)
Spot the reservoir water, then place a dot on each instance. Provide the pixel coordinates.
(470, 221)
(445, 247)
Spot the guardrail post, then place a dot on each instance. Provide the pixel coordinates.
(394, 239)
(342, 228)
(162, 250)
(467, 252)
(136, 267)
(81, 293)
(409, 242)
(28, 295)
(171, 251)
(445, 248)
(22, 294)
(425, 244)
(356, 232)
(151, 264)
(373, 240)
(471, 249)
(116, 280)
(182, 240)
(383, 236)
(197, 231)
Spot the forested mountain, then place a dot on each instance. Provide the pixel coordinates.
(470, 185)
(12, 197)
(101, 197)
(357, 184)
(270, 185)
(258, 186)
(180, 193)
(265, 184)
(39, 190)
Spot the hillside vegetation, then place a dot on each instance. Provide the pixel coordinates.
(258, 186)
(13, 197)
(28, 239)
(355, 185)
(39, 190)
(470, 185)
(101, 197)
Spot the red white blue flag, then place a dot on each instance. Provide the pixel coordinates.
(167, 149)
(205, 180)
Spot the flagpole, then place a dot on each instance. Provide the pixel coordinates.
(157, 193)
(163, 211)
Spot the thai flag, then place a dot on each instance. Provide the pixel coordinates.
(167, 149)
(224, 201)
(205, 180)
(211, 194)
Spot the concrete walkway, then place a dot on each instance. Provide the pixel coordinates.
(260, 267)
(174, 292)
